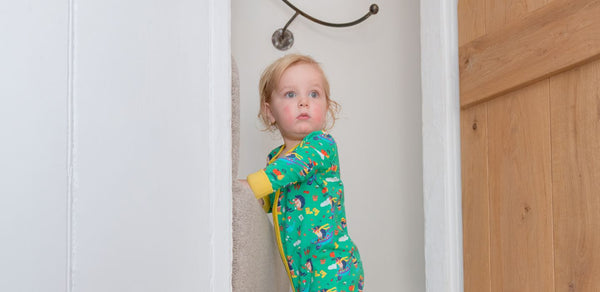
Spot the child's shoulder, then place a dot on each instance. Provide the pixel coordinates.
(321, 137)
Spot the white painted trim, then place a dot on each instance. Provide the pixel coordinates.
(220, 144)
(441, 146)
(70, 200)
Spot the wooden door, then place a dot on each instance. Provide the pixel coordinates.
(530, 144)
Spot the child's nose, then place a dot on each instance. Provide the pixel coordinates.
(303, 101)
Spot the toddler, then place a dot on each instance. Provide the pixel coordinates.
(301, 184)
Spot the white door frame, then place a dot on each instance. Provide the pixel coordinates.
(441, 146)
(219, 120)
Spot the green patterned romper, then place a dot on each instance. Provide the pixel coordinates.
(307, 198)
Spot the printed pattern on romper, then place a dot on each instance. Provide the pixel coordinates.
(311, 218)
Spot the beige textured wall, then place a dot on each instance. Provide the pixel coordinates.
(374, 71)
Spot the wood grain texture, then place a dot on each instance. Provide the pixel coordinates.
(499, 13)
(475, 201)
(549, 40)
(471, 20)
(520, 191)
(575, 104)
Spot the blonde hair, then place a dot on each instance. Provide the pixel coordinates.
(269, 81)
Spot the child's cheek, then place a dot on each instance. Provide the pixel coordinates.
(287, 110)
(320, 116)
(288, 113)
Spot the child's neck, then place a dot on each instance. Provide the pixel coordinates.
(289, 145)
(287, 148)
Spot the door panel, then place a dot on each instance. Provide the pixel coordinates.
(472, 20)
(499, 13)
(530, 81)
(550, 40)
(475, 204)
(520, 193)
(575, 103)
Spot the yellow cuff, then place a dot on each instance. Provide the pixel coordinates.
(260, 184)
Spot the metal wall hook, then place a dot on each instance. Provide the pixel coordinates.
(283, 38)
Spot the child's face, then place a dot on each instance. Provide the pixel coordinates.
(298, 105)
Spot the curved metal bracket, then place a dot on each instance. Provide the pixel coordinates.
(283, 38)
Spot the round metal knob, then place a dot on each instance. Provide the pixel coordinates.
(282, 40)
(374, 8)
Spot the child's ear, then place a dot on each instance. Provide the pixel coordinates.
(267, 109)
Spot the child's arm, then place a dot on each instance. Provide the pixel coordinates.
(314, 153)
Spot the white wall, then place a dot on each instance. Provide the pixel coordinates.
(374, 71)
(33, 148)
(108, 117)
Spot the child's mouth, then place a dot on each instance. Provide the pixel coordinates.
(303, 116)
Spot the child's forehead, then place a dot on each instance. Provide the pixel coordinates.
(303, 65)
(295, 72)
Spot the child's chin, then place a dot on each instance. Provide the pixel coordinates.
(310, 128)
(308, 131)
(301, 132)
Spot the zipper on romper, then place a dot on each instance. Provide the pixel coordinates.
(278, 236)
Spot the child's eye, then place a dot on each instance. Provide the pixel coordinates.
(313, 94)
(290, 94)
